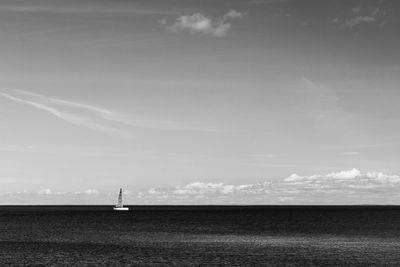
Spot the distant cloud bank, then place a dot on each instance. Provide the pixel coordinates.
(342, 187)
(199, 23)
(49, 196)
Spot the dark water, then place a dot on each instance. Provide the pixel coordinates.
(208, 236)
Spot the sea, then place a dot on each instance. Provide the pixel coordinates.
(200, 236)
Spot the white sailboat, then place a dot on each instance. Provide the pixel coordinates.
(119, 205)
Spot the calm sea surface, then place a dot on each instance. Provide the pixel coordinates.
(209, 236)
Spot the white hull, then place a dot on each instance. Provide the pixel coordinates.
(123, 209)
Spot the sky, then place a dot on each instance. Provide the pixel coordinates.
(199, 102)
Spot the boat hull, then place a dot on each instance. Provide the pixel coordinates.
(121, 209)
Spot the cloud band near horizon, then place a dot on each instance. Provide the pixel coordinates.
(344, 187)
(350, 187)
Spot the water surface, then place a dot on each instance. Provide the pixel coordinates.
(187, 235)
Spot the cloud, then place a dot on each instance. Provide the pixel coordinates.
(204, 188)
(358, 20)
(383, 178)
(153, 191)
(88, 116)
(163, 21)
(93, 117)
(48, 192)
(368, 17)
(262, 2)
(345, 179)
(322, 106)
(47, 196)
(294, 177)
(324, 97)
(234, 14)
(351, 174)
(284, 199)
(91, 192)
(342, 187)
(199, 23)
(53, 8)
(335, 20)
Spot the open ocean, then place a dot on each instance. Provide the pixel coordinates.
(202, 235)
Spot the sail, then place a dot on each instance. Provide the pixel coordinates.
(119, 204)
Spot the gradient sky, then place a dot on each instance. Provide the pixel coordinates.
(210, 95)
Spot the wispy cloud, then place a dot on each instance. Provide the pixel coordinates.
(53, 8)
(75, 113)
(343, 187)
(361, 16)
(322, 106)
(261, 2)
(199, 23)
(93, 117)
(360, 19)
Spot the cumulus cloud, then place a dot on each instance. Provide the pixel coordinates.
(346, 178)
(48, 191)
(293, 177)
(351, 174)
(343, 181)
(199, 23)
(91, 192)
(342, 187)
(204, 188)
(284, 199)
(153, 191)
(234, 14)
(383, 178)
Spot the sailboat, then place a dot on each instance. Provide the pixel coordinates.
(119, 205)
